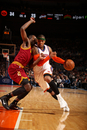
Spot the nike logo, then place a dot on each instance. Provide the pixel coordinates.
(4, 102)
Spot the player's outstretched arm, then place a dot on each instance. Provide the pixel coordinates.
(26, 25)
(58, 60)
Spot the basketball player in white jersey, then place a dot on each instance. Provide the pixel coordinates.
(43, 73)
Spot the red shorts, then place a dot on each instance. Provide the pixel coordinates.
(17, 73)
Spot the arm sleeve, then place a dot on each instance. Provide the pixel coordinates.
(41, 62)
(58, 60)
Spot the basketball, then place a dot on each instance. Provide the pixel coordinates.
(69, 65)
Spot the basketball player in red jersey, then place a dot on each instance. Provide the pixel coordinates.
(16, 71)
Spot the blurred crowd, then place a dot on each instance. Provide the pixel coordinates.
(75, 49)
(66, 49)
(2, 66)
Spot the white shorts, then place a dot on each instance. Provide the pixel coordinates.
(39, 71)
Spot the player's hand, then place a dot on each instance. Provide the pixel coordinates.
(53, 54)
(42, 56)
(32, 19)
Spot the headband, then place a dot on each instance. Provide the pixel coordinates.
(39, 38)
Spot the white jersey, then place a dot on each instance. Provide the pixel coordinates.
(46, 52)
(46, 68)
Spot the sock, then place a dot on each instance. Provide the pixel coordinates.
(15, 102)
(54, 96)
(54, 87)
(59, 96)
(9, 95)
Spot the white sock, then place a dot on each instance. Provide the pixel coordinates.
(58, 96)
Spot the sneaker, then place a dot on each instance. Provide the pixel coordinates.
(14, 106)
(66, 108)
(63, 103)
(4, 99)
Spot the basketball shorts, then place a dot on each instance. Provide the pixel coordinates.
(39, 78)
(16, 73)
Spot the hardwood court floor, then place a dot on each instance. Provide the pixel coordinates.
(42, 112)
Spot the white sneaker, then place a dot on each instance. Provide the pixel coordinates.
(63, 103)
(66, 109)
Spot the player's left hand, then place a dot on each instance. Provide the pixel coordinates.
(42, 56)
(32, 19)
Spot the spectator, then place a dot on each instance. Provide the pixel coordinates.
(67, 82)
(0, 74)
(59, 81)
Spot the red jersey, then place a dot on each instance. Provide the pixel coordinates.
(15, 70)
(23, 56)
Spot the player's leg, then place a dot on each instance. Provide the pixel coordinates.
(43, 84)
(52, 93)
(38, 75)
(53, 86)
(25, 89)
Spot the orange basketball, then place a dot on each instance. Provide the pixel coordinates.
(69, 64)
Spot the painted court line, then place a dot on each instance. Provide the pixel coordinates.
(18, 120)
(8, 118)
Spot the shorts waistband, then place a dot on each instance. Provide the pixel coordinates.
(18, 63)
